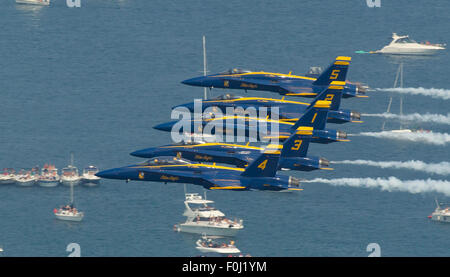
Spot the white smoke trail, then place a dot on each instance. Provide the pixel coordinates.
(390, 184)
(436, 118)
(425, 137)
(442, 168)
(433, 92)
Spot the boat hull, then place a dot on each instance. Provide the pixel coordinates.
(7, 181)
(207, 230)
(409, 51)
(48, 183)
(76, 218)
(441, 218)
(27, 183)
(90, 182)
(70, 182)
(31, 2)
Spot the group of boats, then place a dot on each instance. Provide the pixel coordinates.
(202, 218)
(48, 176)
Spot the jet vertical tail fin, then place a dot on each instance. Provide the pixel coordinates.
(332, 93)
(337, 71)
(315, 116)
(266, 164)
(297, 144)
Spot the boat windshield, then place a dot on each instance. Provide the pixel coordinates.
(236, 71)
(165, 161)
(405, 40)
(227, 96)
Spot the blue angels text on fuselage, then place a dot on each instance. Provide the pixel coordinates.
(261, 174)
(293, 154)
(284, 84)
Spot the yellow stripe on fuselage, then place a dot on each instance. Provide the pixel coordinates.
(229, 187)
(189, 166)
(212, 144)
(256, 99)
(269, 74)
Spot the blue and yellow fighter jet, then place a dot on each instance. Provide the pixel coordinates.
(293, 156)
(259, 175)
(284, 84)
(287, 110)
(248, 126)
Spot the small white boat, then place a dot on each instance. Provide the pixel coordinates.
(441, 214)
(49, 176)
(34, 2)
(206, 244)
(88, 177)
(70, 176)
(403, 45)
(69, 212)
(7, 177)
(204, 219)
(26, 177)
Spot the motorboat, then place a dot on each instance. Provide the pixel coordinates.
(403, 45)
(88, 177)
(26, 177)
(49, 176)
(7, 177)
(206, 244)
(70, 176)
(440, 214)
(34, 2)
(205, 219)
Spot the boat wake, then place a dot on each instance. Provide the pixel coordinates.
(432, 92)
(390, 184)
(434, 118)
(442, 168)
(425, 137)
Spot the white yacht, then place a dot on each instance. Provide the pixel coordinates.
(88, 177)
(206, 244)
(403, 45)
(49, 176)
(441, 214)
(26, 177)
(70, 176)
(7, 177)
(34, 2)
(204, 219)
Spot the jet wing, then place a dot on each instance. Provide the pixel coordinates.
(225, 183)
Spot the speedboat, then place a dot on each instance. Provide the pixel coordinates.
(49, 176)
(70, 176)
(26, 177)
(204, 219)
(206, 244)
(34, 2)
(7, 177)
(403, 45)
(68, 213)
(440, 214)
(88, 177)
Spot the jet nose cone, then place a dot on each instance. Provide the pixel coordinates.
(109, 174)
(197, 81)
(143, 153)
(167, 126)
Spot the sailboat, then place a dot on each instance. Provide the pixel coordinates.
(398, 78)
(69, 212)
